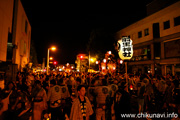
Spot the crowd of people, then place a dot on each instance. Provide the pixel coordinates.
(87, 96)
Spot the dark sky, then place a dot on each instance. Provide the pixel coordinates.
(68, 26)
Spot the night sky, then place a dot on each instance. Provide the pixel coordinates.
(68, 26)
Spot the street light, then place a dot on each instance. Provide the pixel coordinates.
(53, 49)
(51, 58)
(92, 60)
(55, 63)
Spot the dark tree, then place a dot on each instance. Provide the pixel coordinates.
(33, 54)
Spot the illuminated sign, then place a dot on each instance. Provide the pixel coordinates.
(125, 48)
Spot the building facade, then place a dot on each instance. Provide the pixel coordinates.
(82, 62)
(6, 16)
(156, 42)
(15, 37)
(21, 37)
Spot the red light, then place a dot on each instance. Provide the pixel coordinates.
(131, 87)
(54, 62)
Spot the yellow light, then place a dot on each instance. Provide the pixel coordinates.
(97, 62)
(51, 58)
(93, 60)
(53, 48)
(104, 60)
(109, 52)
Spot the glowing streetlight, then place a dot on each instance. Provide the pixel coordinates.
(51, 58)
(97, 62)
(53, 49)
(92, 60)
(104, 60)
(55, 63)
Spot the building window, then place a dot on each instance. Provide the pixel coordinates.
(24, 47)
(157, 50)
(146, 32)
(177, 21)
(140, 34)
(166, 25)
(172, 48)
(26, 26)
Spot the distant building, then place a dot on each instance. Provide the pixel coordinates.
(157, 5)
(81, 63)
(156, 41)
(15, 36)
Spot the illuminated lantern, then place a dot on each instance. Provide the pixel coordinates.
(125, 48)
(81, 57)
(121, 61)
(103, 67)
(131, 87)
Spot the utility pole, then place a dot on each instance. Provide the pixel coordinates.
(89, 60)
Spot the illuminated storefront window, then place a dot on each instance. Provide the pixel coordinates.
(142, 54)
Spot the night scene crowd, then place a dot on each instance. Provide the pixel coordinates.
(88, 96)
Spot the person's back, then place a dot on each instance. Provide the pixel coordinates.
(113, 88)
(125, 102)
(54, 94)
(140, 96)
(176, 92)
(141, 90)
(91, 93)
(54, 98)
(103, 93)
(162, 86)
(122, 101)
(168, 93)
(64, 91)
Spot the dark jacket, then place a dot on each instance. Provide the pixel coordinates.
(123, 106)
